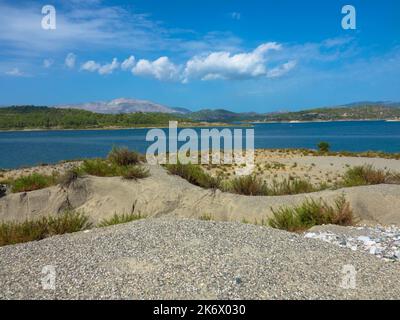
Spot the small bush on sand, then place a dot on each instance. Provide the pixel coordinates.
(35, 181)
(194, 174)
(289, 187)
(364, 175)
(249, 185)
(323, 147)
(123, 157)
(118, 219)
(33, 230)
(206, 217)
(134, 173)
(99, 168)
(311, 213)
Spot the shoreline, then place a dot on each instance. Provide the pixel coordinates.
(324, 121)
(309, 152)
(244, 124)
(204, 125)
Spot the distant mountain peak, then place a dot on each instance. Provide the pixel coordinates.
(124, 105)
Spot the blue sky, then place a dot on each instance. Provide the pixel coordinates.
(241, 55)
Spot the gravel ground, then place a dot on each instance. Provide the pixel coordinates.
(190, 259)
(380, 241)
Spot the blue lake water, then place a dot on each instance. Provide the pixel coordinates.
(25, 148)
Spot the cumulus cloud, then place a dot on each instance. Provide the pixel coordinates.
(47, 63)
(70, 60)
(90, 66)
(215, 65)
(93, 66)
(110, 67)
(161, 69)
(15, 72)
(128, 64)
(224, 65)
(281, 70)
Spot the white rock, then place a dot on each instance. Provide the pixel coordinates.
(373, 250)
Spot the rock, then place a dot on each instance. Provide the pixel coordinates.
(378, 241)
(363, 238)
(3, 190)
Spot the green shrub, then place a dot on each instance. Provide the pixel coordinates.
(34, 181)
(33, 230)
(123, 157)
(194, 174)
(134, 173)
(311, 213)
(364, 175)
(118, 219)
(249, 185)
(99, 168)
(290, 187)
(108, 168)
(323, 146)
(206, 217)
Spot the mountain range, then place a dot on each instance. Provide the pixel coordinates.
(124, 105)
(373, 110)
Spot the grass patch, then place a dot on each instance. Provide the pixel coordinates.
(194, 174)
(34, 181)
(123, 157)
(311, 213)
(134, 173)
(290, 187)
(99, 168)
(368, 175)
(206, 217)
(248, 185)
(120, 218)
(254, 186)
(33, 230)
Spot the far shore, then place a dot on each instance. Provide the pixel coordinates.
(198, 125)
(194, 125)
(323, 121)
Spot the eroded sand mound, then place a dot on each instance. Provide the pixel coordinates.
(191, 259)
(164, 194)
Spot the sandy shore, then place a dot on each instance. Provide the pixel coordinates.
(269, 165)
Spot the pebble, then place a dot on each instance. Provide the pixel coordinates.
(382, 242)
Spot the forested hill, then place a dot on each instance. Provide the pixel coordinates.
(358, 112)
(31, 117)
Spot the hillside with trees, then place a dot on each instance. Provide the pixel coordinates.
(31, 117)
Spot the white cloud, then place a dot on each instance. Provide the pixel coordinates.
(90, 66)
(224, 65)
(161, 69)
(93, 66)
(47, 63)
(128, 64)
(70, 60)
(281, 70)
(15, 72)
(110, 67)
